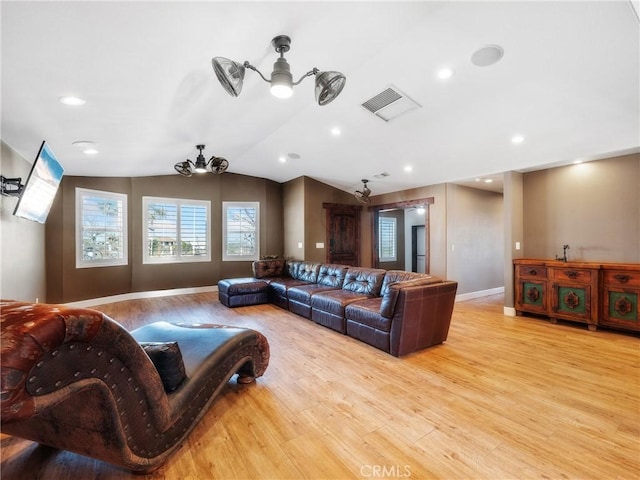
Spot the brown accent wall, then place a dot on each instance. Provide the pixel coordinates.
(65, 283)
(293, 215)
(305, 219)
(315, 229)
(593, 207)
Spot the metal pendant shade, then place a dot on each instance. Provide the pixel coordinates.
(187, 168)
(363, 195)
(230, 74)
(328, 84)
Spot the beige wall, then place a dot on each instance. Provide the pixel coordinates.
(475, 230)
(22, 252)
(65, 283)
(513, 230)
(593, 207)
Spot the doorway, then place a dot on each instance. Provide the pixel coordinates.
(343, 233)
(423, 240)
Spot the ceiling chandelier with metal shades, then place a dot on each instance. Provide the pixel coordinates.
(217, 165)
(329, 84)
(363, 195)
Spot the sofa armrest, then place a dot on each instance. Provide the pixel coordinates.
(390, 298)
(422, 316)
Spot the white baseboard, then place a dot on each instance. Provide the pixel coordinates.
(135, 295)
(509, 311)
(480, 293)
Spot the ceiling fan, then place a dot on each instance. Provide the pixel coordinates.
(215, 164)
(363, 195)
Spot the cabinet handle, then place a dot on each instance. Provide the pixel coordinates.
(571, 274)
(622, 278)
(533, 271)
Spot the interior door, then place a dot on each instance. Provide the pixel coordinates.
(418, 249)
(343, 233)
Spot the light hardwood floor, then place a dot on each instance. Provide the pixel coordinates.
(503, 398)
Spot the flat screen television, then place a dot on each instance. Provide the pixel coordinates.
(41, 186)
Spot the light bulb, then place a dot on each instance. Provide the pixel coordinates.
(281, 91)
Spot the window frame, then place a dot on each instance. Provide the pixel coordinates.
(177, 257)
(240, 258)
(81, 193)
(394, 221)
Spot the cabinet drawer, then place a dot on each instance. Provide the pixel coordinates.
(622, 278)
(573, 275)
(532, 271)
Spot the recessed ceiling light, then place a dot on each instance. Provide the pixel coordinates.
(83, 144)
(293, 156)
(90, 151)
(445, 73)
(577, 162)
(282, 159)
(488, 180)
(487, 55)
(478, 179)
(517, 139)
(335, 131)
(408, 168)
(72, 101)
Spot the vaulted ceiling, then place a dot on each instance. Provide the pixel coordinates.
(568, 83)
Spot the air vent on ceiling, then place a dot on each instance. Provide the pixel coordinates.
(390, 104)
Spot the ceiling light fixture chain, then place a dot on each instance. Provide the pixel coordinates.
(217, 165)
(329, 84)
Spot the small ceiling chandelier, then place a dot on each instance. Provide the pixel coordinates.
(363, 195)
(231, 75)
(215, 165)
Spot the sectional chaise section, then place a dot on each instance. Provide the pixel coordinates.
(396, 311)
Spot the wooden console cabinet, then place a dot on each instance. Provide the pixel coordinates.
(605, 294)
(620, 294)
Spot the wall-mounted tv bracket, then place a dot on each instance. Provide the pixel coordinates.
(11, 187)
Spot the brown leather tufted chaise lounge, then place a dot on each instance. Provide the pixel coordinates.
(74, 379)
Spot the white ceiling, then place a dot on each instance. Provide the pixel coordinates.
(569, 83)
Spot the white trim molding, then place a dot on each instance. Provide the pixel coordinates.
(478, 294)
(136, 295)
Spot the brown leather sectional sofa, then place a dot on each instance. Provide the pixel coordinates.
(393, 310)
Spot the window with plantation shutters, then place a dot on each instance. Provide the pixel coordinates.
(101, 228)
(240, 231)
(176, 230)
(387, 239)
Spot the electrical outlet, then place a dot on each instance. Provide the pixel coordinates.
(517, 245)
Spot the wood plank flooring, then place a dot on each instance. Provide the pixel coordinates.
(503, 398)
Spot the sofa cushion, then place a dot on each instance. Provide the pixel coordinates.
(167, 358)
(332, 275)
(367, 312)
(303, 293)
(334, 301)
(281, 285)
(268, 268)
(307, 272)
(367, 281)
